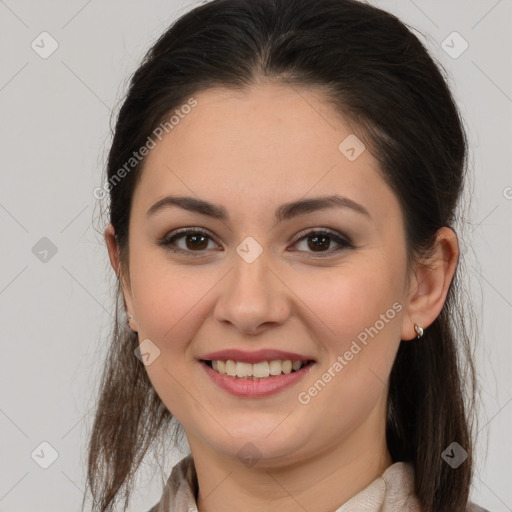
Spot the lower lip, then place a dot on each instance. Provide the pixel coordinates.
(256, 388)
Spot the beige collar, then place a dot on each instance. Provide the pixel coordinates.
(393, 491)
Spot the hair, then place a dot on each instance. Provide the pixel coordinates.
(379, 76)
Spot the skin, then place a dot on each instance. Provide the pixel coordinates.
(251, 152)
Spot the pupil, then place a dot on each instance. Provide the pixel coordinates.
(320, 245)
(196, 245)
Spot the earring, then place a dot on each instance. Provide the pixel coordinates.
(419, 331)
(130, 317)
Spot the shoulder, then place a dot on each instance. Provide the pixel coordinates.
(399, 480)
(181, 488)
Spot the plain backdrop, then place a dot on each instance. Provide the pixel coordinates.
(56, 295)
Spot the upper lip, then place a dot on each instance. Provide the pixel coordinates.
(256, 356)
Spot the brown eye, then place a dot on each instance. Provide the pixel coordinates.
(319, 241)
(195, 240)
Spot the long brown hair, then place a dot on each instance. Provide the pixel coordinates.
(378, 74)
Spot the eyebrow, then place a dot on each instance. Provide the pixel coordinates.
(285, 212)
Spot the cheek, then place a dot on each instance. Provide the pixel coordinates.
(169, 304)
(352, 299)
(360, 311)
(167, 298)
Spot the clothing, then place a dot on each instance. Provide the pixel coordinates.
(391, 492)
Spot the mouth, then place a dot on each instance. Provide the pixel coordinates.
(256, 371)
(256, 379)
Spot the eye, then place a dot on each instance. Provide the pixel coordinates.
(321, 239)
(197, 239)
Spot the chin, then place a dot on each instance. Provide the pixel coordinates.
(259, 444)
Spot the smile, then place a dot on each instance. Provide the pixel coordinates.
(261, 370)
(256, 380)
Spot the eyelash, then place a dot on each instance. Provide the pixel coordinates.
(344, 242)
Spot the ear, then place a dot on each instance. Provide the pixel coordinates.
(113, 254)
(430, 282)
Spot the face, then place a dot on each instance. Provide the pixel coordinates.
(323, 286)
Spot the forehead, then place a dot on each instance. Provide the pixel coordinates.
(270, 143)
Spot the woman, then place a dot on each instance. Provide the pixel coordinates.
(284, 180)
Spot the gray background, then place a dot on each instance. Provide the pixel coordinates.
(56, 308)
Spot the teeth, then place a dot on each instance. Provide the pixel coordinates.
(286, 366)
(243, 369)
(231, 368)
(275, 367)
(260, 370)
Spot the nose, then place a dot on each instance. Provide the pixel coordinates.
(252, 297)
